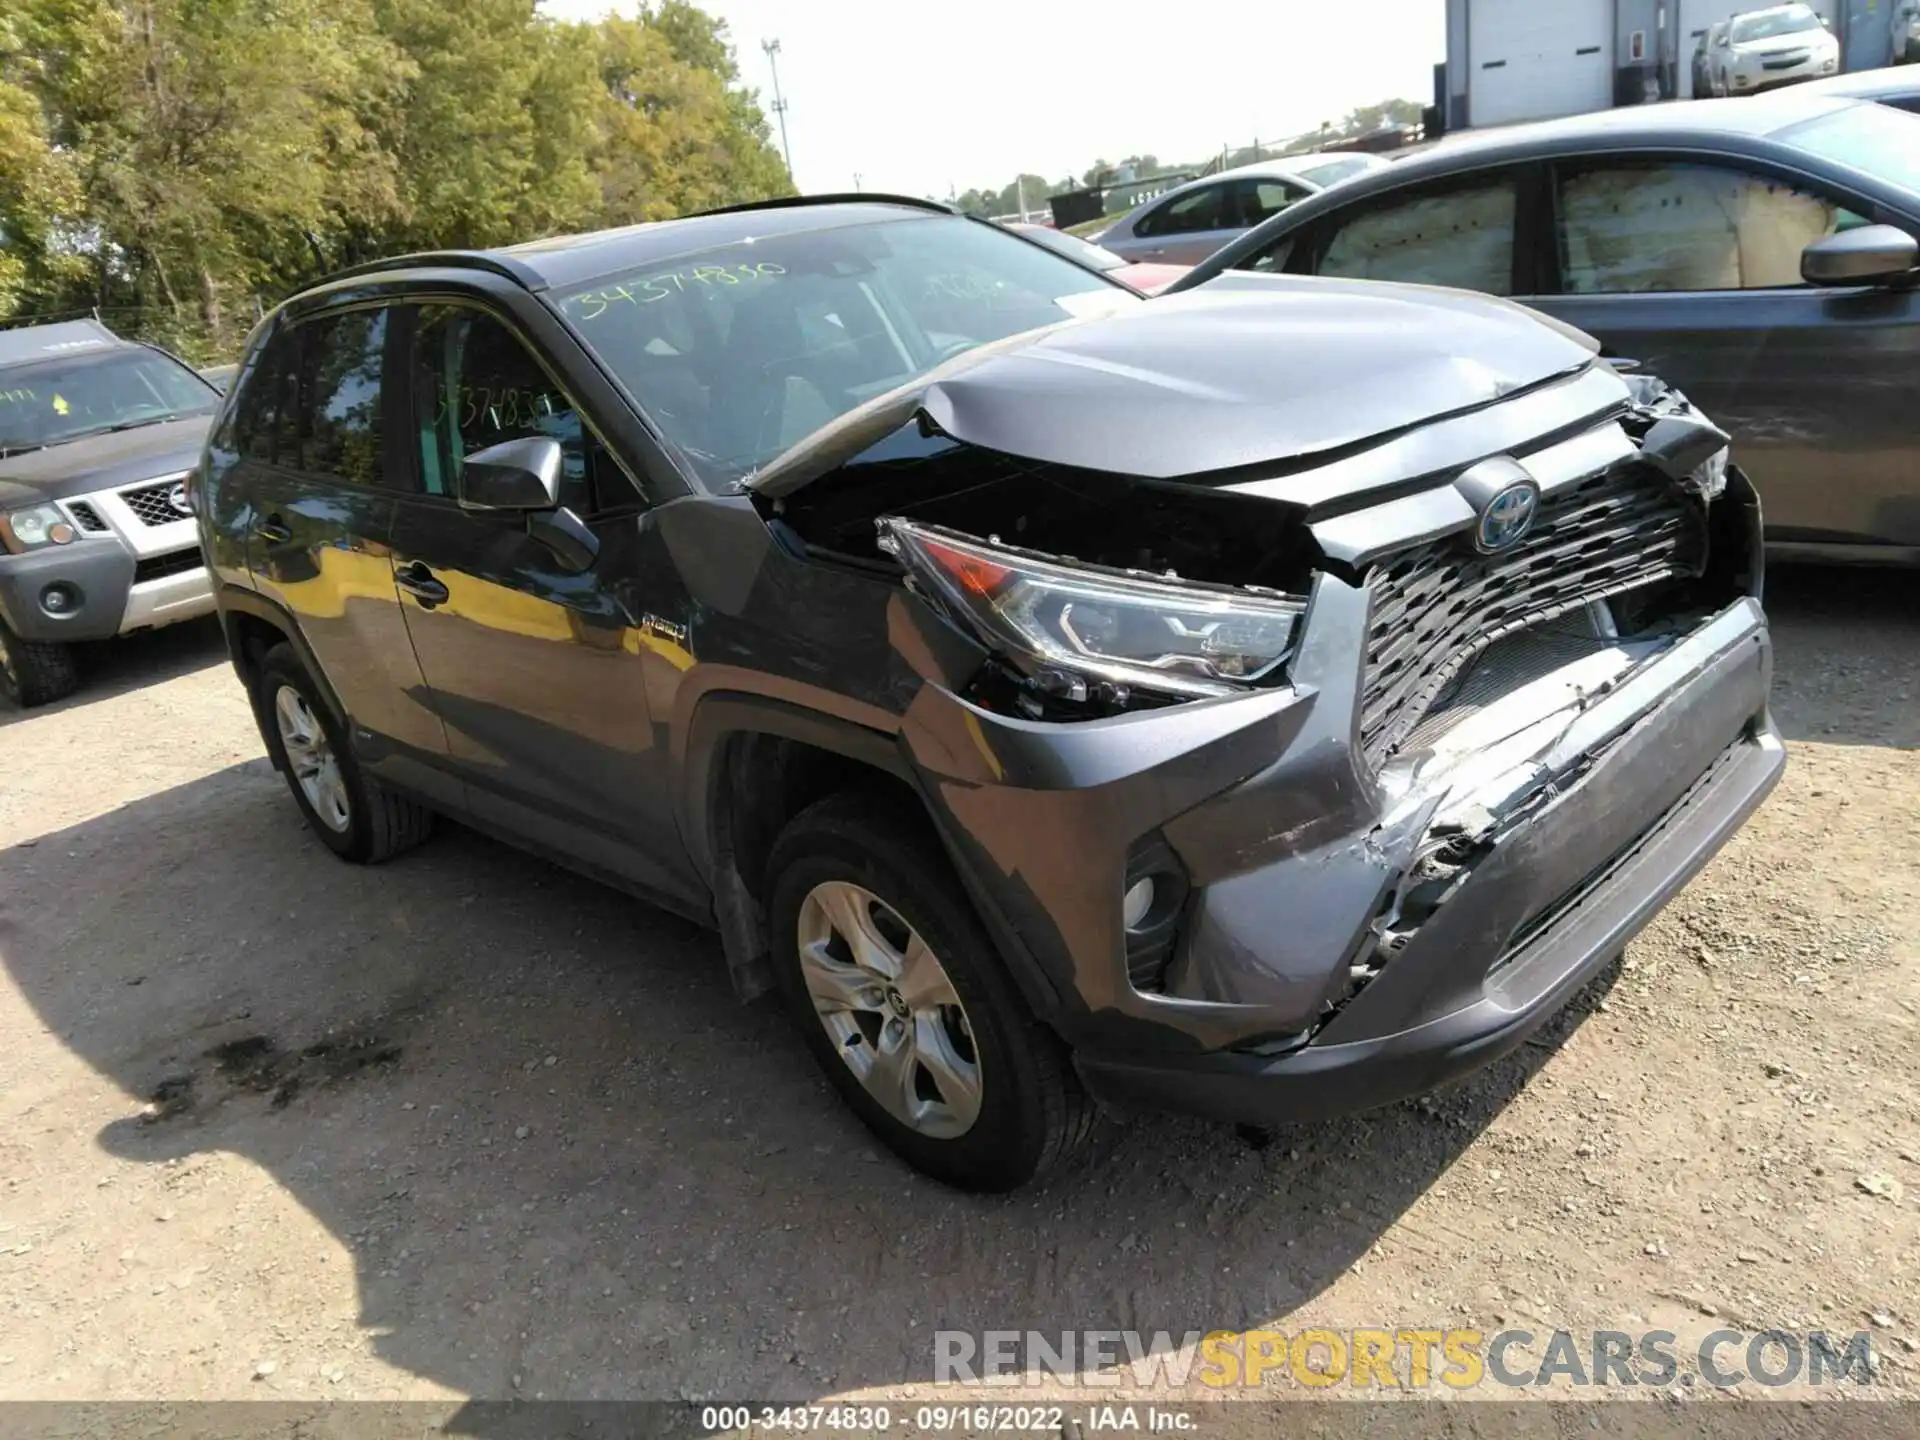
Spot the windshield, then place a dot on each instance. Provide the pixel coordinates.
(737, 352)
(1770, 23)
(1085, 252)
(49, 401)
(1342, 169)
(1876, 139)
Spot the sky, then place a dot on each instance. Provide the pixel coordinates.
(923, 99)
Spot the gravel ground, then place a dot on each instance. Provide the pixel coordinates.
(467, 1125)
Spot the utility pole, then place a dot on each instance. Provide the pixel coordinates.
(772, 47)
(856, 182)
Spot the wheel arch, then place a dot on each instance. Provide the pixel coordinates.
(253, 625)
(753, 762)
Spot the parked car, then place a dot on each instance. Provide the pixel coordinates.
(1903, 38)
(97, 435)
(1764, 49)
(1757, 254)
(1147, 279)
(1053, 695)
(219, 376)
(1189, 222)
(1703, 61)
(1898, 86)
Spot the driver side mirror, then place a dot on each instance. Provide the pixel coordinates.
(519, 474)
(1868, 255)
(524, 475)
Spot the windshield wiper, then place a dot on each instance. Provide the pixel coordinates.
(120, 425)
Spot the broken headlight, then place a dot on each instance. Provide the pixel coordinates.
(1067, 622)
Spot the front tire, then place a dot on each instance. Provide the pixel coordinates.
(906, 1005)
(355, 816)
(35, 672)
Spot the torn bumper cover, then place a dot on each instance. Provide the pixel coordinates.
(1343, 944)
(1569, 854)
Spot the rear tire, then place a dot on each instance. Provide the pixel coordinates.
(986, 1098)
(355, 816)
(35, 672)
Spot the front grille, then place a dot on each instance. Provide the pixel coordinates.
(174, 562)
(154, 503)
(85, 516)
(1785, 62)
(1438, 606)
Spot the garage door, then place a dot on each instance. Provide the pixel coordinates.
(1531, 59)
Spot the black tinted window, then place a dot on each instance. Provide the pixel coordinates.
(340, 399)
(476, 385)
(263, 415)
(1202, 209)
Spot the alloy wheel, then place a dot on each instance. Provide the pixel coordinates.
(310, 758)
(890, 1009)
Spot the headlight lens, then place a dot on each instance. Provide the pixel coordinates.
(33, 527)
(1165, 635)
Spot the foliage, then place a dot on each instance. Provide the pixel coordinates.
(175, 162)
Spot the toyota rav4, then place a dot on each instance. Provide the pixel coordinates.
(1262, 703)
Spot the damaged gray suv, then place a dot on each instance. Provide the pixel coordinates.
(1262, 703)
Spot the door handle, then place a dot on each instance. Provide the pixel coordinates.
(274, 530)
(417, 580)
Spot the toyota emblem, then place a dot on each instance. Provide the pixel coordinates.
(177, 498)
(1507, 517)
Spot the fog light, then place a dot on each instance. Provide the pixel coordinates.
(1137, 903)
(59, 599)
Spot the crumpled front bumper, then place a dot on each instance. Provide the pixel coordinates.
(1550, 903)
(1295, 854)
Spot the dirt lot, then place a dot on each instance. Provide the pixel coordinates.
(469, 1126)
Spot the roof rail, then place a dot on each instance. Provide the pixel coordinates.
(838, 197)
(491, 262)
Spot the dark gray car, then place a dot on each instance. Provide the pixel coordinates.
(1266, 703)
(1758, 254)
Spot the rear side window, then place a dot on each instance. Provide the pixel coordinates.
(341, 396)
(475, 385)
(1202, 209)
(1263, 199)
(1461, 237)
(265, 408)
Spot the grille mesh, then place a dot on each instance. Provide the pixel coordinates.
(85, 516)
(174, 562)
(1436, 607)
(151, 504)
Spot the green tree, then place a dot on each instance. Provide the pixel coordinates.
(172, 161)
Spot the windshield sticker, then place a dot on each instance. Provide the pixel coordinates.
(505, 409)
(60, 405)
(595, 303)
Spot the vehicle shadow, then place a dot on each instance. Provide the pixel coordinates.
(566, 1163)
(113, 667)
(1846, 654)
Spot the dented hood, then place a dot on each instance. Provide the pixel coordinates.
(1244, 371)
